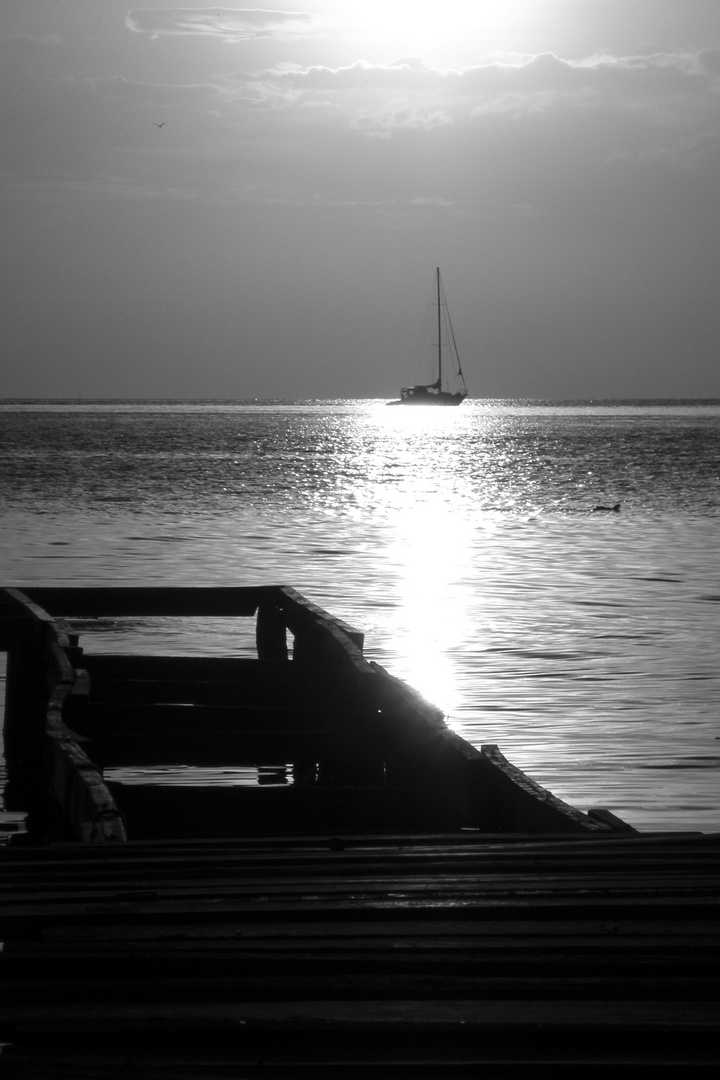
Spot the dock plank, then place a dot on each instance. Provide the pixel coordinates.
(391, 956)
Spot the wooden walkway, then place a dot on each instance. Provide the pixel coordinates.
(519, 938)
(462, 955)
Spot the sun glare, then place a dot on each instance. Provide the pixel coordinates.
(429, 555)
(424, 29)
(407, 26)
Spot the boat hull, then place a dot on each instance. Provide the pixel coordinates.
(424, 395)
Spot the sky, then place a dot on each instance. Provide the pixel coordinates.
(204, 201)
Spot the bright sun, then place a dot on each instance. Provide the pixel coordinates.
(427, 29)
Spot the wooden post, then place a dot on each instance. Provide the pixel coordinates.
(271, 633)
(26, 701)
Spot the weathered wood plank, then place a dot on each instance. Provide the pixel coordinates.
(462, 900)
(351, 753)
(143, 906)
(193, 690)
(300, 614)
(126, 601)
(513, 897)
(675, 853)
(245, 670)
(187, 692)
(329, 952)
(114, 988)
(338, 879)
(619, 935)
(406, 1018)
(279, 1054)
(151, 811)
(113, 718)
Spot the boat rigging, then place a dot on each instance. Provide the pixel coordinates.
(449, 387)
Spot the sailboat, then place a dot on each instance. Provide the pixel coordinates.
(449, 370)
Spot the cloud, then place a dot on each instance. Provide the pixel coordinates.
(399, 113)
(227, 24)
(529, 131)
(529, 74)
(378, 99)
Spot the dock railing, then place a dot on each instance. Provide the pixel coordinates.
(45, 761)
(44, 671)
(46, 680)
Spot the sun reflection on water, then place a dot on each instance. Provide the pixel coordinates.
(429, 556)
(411, 463)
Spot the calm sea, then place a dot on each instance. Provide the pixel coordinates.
(464, 542)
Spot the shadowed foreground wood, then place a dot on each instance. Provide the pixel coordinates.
(438, 955)
(408, 905)
(364, 751)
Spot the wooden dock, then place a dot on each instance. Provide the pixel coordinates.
(435, 956)
(419, 907)
(366, 751)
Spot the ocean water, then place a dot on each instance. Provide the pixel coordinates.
(464, 542)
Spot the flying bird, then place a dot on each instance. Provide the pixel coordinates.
(160, 125)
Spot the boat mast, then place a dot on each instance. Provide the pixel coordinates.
(439, 382)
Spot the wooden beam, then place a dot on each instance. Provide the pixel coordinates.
(229, 749)
(100, 719)
(127, 601)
